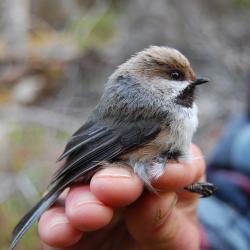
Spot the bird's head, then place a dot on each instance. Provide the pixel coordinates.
(165, 72)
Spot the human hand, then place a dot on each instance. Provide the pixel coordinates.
(114, 212)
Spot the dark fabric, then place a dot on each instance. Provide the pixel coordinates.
(225, 218)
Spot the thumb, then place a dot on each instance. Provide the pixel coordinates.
(155, 223)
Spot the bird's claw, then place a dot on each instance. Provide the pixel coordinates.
(205, 189)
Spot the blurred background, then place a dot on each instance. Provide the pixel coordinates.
(55, 57)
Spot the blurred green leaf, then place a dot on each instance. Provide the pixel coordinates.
(10, 213)
(242, 3)
(94, 31)
(27, 143)
(62, 136)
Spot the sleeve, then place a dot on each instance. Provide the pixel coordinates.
(225, 218)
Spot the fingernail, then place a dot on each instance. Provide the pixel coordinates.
(114, 172)
(86, 198)
(59, 220)
(164, 210)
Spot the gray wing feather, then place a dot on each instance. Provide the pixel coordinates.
(91, 144)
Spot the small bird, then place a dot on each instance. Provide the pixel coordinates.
(145, 117)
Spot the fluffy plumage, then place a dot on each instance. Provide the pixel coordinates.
(145, 116)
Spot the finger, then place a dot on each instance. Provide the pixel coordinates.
(116, 186)
(85, 211)
(154, 222)
(178, 175)
(188, 200)
(55, 229)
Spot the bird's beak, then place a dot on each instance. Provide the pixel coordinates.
(200, 80)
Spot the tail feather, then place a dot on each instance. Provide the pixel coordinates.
(32, 216)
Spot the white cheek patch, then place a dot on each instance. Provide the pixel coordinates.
(177, 86)
(169, 89)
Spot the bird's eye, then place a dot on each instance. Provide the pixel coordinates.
(176, 75)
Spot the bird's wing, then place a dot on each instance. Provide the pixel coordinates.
(95, 142)
(92, 143)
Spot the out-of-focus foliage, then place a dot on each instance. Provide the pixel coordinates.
(10, 213)
(242, 3)
(52, 77)
(33, 151)
(94, 30)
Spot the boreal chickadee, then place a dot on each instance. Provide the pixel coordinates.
(145, 117)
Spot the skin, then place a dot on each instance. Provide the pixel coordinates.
(127, 217)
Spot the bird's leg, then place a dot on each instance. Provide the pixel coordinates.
(205, 189)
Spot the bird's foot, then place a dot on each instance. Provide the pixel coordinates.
(205, 189)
